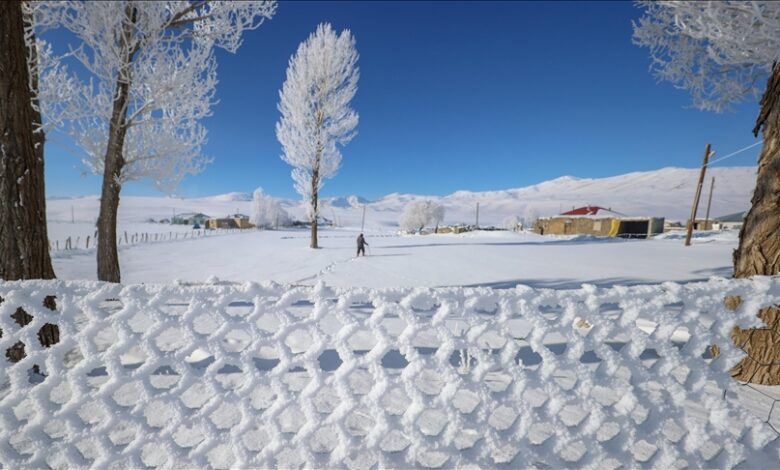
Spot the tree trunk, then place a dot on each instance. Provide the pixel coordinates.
(759, 245)
(315, 179)
(114, 162)
(24, 241)
(107, 254)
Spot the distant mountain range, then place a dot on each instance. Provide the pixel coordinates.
(667, 192)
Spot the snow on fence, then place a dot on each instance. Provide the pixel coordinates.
(264, 375)
(135, 238)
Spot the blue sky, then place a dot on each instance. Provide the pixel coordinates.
(455, 96)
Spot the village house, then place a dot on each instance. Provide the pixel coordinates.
(599, 221)
(231, 221)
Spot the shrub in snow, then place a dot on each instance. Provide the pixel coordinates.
(419, 214)
(512, 223)
(529, 217)
(267, 212)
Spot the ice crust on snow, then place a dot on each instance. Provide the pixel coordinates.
(266, 375)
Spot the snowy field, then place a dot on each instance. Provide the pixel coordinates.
(497, 259)
(492, 259)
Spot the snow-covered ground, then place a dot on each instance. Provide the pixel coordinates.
(498, 259)
(494, 259)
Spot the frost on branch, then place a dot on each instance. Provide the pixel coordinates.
(267, 212)
(418, 214)
(316, 117)
(720, 51)
(164, 53)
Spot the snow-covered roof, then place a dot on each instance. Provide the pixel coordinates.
(593, 211)
(736, 217)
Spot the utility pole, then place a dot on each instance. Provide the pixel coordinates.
(697, 196)
(477, 225)
(363, 219)
(72, 217)
(709, 203)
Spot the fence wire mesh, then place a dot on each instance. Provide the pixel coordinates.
(264, 375)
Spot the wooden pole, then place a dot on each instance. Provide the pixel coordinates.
(697, 196)
(363, 219)
(709, 203)
(477, 226)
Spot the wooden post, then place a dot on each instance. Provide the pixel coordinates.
(362, 220)
(709, 203)
(477, 225)
(697, 196)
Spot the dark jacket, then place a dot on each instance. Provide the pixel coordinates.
(361, 241)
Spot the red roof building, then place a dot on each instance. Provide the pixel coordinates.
(587, 210)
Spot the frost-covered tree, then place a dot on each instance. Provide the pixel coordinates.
(147, 77)
(267, 212)
(256, 215)
(316, 117)
(722, 52)
(512, 223)
(530, 216)
(418, 214)
(24, 245)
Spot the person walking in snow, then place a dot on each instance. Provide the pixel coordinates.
(361, 245)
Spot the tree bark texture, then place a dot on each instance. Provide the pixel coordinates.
(759, 245)
(24, 244)
(114, 162)
(315, 179)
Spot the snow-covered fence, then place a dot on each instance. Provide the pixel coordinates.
(135, 238)
(263, 375)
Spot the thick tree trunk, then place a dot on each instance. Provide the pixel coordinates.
(107, 254)
(114, 162)
(759, 245)
(24, 244)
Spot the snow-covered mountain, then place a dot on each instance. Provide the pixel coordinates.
(667, 192)
(234, 196)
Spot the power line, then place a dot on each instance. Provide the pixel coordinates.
(735, 153)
